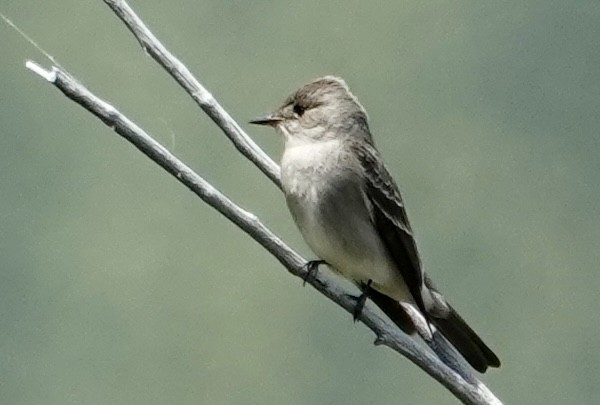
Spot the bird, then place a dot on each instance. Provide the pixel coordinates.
(351, 214)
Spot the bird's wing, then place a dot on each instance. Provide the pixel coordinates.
(390, 219)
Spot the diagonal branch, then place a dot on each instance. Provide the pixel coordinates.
(469, 392)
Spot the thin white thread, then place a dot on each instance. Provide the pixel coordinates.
(30, 40)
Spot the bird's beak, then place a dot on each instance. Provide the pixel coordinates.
(269, 119)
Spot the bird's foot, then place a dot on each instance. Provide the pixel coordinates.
(312, 268)
(361, 300)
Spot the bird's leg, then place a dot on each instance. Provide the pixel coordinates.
(361, 300)
(312, 267)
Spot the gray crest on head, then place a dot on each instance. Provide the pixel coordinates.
(327, 89)
(325, 108)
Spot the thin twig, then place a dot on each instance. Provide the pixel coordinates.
(388, 335)
(199, 93)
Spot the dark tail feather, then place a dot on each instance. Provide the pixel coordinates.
(453, 327)
(466, 341)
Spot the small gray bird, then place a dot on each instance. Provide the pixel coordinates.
(350, 212)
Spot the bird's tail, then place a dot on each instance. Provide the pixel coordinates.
(451, 325)
(466, 341)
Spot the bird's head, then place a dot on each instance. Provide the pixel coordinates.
(321, 110)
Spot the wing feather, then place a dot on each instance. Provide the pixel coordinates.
(390, 219)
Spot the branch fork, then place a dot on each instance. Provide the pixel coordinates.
(450, 372)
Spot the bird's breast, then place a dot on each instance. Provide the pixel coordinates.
(324, 193)
(311, 175)
(307, 166)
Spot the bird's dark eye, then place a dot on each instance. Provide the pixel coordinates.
(299, 110)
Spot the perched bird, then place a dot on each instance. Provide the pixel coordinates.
(350, 212)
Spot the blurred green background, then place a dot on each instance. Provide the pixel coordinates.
(119, 286)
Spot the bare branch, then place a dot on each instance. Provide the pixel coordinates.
(468, 392)
(201, 96)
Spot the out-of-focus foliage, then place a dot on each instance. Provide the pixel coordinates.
(118, 286)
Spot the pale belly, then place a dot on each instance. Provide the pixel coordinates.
(336, 225)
